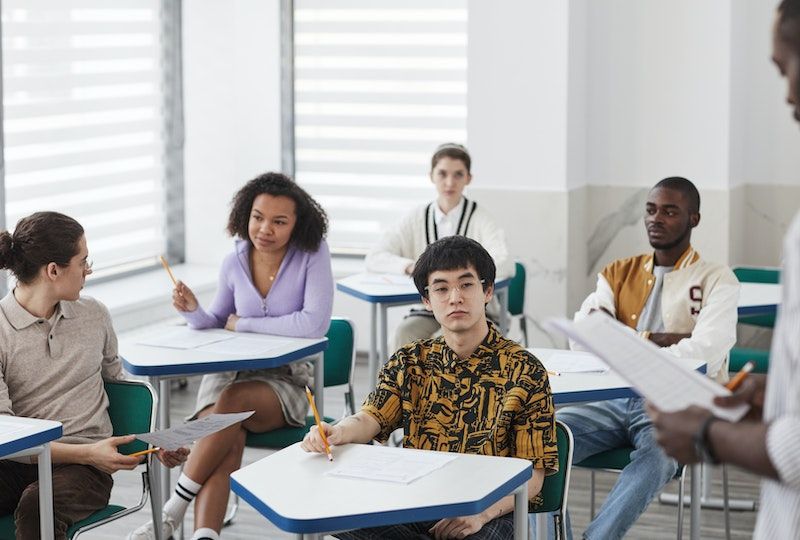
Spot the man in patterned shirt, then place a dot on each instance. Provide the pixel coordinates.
(765, 441)
(469, 391)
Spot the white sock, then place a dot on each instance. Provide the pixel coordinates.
(185, 492)
(202, 534)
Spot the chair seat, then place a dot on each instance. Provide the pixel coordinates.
(282, 437)
(8, 530)
(615, 459)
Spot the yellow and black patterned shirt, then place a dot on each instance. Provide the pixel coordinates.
(497, 402)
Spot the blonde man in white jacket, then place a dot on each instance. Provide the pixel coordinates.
(450, 214)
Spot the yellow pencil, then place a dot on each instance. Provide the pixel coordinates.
(145, 452)
(319, 424)
(554, 373)
(167, 268)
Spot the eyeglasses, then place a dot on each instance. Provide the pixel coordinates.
(442, 291)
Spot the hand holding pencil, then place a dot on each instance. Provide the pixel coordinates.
(312, 439)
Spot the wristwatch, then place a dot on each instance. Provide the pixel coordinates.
(702, 445)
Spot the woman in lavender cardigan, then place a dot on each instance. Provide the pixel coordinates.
(277, 281)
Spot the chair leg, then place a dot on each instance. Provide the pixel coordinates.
(523, 325)
(726, 502)
(232, 512)
(681, 493)
(591, 496)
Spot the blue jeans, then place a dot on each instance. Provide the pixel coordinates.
(617, 423)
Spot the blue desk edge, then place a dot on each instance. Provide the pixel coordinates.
(30, 441)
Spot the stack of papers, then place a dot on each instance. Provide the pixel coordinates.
(214, 341)
(185, 434)
(394, 465)
(183, 337)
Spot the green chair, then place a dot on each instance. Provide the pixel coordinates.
(556, 486)
(747, 274)
(614, 461)
(339, 360)
(516, 299)
(132, 409)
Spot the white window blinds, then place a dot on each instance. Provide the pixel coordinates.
(82, 120)
(378, 86)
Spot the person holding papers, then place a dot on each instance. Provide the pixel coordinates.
(469, 391)
(680, 302)
(450, 214)
(767, 440)
(56, 349)
(277, 281)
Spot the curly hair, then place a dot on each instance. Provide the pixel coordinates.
(39, 239)
(311, 224)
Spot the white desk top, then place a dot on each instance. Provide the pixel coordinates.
(148, 360)
(759, 298)
(388, 289)
(581, 387)
(291, 489)
(19, 433)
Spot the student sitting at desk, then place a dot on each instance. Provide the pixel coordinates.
(277, 281)
(470, 391)
(450, 214)
(679, 302)
(56, 348)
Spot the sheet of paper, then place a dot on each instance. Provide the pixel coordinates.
(654, 373)
(7, 429)
(575, 362)
(244, 346)
(183, 337)
(185, 434)
(395, 465)
(388, 279)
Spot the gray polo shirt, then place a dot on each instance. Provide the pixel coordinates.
(56, 371)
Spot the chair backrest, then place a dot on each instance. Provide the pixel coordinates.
(516, 290)
(556, 486)
(132, 409)
(750, 274)
(340, 355)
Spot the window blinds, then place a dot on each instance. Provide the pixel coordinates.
(83, 123)
(378, 86)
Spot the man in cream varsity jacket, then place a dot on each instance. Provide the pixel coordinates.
(680, 302)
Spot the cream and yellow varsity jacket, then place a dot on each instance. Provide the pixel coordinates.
(698, 298)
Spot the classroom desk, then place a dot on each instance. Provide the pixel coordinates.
(30, 436)
(380, 296)
(159, 364)
(571, 388)
(291, 489)
(759, 298)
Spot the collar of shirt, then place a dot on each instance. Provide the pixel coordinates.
(446, 223)
(486, 351)
(21, 318)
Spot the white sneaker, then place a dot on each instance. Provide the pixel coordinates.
(147, 532)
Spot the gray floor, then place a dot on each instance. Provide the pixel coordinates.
(658, 522)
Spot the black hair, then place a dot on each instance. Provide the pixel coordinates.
(686, 187)
(311, 224)
(789, 22)
(452, 253)
(39, 239)
(454, 151)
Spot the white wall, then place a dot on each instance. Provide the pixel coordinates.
(232, 107)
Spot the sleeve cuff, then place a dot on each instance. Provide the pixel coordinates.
(783, 440)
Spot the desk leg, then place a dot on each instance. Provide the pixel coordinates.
(159, 487)
(319, 384)
(384, 339)
(541, 525)
(502, 296)
(372, 365)
(46, 493)
(521, 513)
(695, 507)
